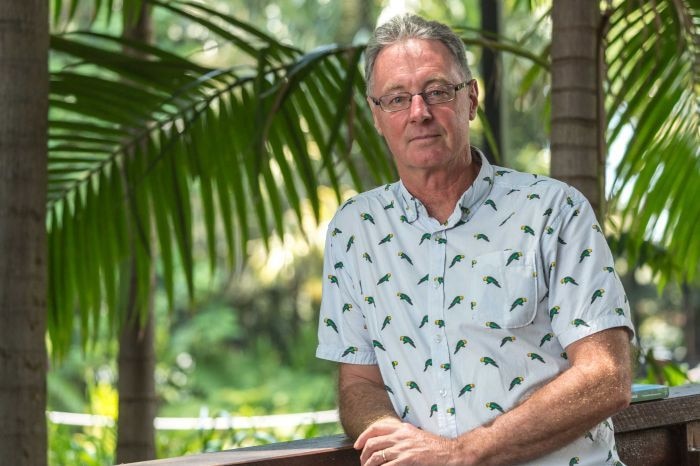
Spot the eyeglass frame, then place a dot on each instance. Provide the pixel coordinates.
(454, 87)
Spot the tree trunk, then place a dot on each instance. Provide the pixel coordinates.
(492, 73)
(136, 362)
(578, 119)
(24, 88)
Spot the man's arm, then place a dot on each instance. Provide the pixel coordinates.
(362, 398)
(596, 386)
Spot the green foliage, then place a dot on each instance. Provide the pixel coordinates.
(665, 373)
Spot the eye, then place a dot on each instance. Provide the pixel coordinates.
(436, 93)
(397, 99)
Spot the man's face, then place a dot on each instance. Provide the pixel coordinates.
(422, 137)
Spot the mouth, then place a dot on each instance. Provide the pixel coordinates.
(425, 137)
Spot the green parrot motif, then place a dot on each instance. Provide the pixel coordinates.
(585, 253)
(575, 459)
(609, 269)
(378, 344)
(537, 182)
(428, 363)
(413, 386)
(506, 219)
(579, 322)
(338, 265)
(445, 366)
(549, 230)
(596, 228)
(460, 223)
(512, 191)
(567, 279)
(451, 411)
(564, 355)
(336, 231)
(405, 297)
(488, 361)
(576, 213)
(367, 217)
(608, 425)
(488, 180)
(347, 307)
(425, 236)
(547, 212)
(367, 257)
(386, 239)
(535, 356)
(460, 344)
(482, 236)
(494, 406)
(569, 201)
(589, 436)
(440, 323)
(552, 312)
(433, 409)
(387, 187)
(514, 257)
(501, 172)
(387, 321)
(465, 211)
(473, 263)
(455, 259)
(617, 463)
(347, 203)
(333, 279)
(389, 206)
(331, 324)
(403, 219)
(405, 412)
(609, 456)
(597, 294)
(517, 302)
(472, 305)
(370, 300)
(388, 389)
(467, 388)
(493, 325)
(351, 241)
(619, 311)
(423, 321)
(546, 338)
(407, 341)
(424, 278)
(384, 279)
(394, 364)
(533, 196)
(552, 265)
(561, 241)
(405, 257)
(455, 301)
(439, 280)
(491, 281)
(508, 339)
(441, 240)
(527, 230)
(349, 350)
(516, 381)
(492, 204)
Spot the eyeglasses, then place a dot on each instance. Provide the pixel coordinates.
(432, 95)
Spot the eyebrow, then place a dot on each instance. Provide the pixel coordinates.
(395, 89)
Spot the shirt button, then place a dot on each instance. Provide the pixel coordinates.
(443, 393)
(438, 338)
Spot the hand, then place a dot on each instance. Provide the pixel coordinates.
(392, 442)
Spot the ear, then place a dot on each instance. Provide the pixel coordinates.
(473, 99)
(374, 108)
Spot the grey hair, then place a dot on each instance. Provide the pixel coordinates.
(409, 26)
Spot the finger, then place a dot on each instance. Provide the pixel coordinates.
(375, 446)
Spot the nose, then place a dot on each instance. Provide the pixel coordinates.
(419, 110)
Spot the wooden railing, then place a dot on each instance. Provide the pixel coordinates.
(650, 433)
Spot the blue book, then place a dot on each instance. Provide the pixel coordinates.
(646, 392)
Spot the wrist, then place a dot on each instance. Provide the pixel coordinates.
(467, 450)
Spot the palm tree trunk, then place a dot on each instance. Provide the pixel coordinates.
(24, 87)
(578, 155)
(492, 73)
(136, 362)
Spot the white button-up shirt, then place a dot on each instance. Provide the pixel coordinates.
(466, 318)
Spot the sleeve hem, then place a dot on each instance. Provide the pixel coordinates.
(575, 334)
(333, 353)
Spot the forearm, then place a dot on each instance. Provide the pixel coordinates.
(555, 415)
(361, 401)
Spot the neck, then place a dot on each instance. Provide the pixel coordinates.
(440, 190)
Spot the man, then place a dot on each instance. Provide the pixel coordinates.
(474, 310)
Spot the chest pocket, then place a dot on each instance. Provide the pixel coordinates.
(504, 288)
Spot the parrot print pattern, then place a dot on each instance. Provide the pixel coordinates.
(466, 317)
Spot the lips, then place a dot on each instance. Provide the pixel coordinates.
(423, 137)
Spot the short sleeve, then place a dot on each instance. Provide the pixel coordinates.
(585, 292)
(342, 330)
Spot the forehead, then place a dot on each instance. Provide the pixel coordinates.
(414, 62)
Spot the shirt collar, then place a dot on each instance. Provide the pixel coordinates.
(471, 200)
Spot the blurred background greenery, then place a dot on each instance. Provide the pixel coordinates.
(228, 351)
